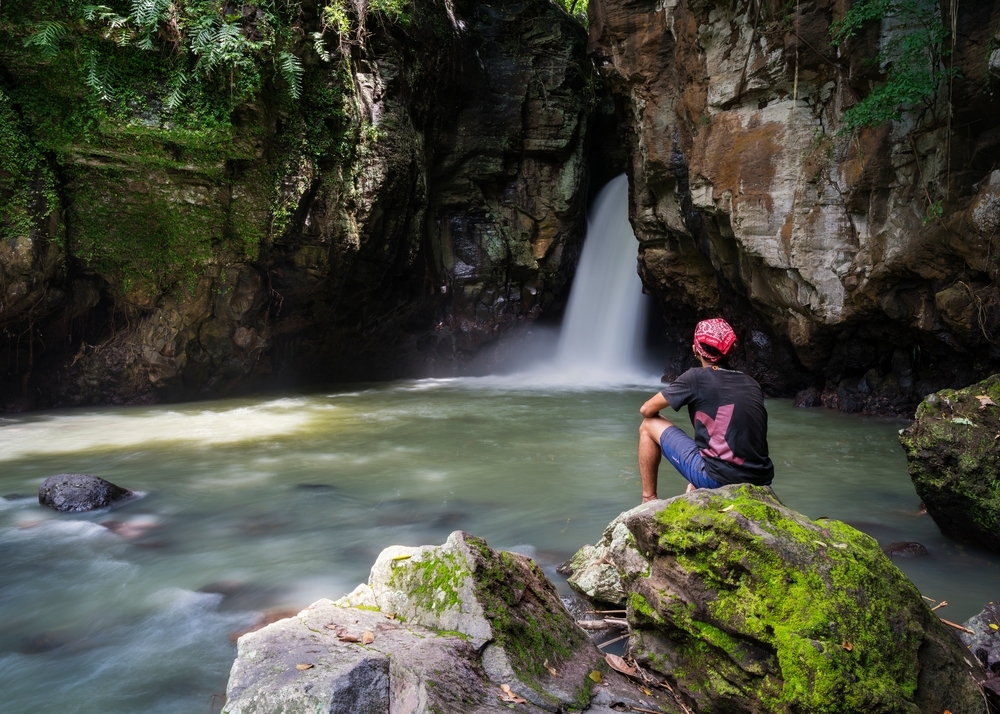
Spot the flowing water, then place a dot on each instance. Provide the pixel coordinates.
(602, 334)
(275, 502)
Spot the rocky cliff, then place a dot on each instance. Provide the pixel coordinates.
(857, 258)
(408, 186)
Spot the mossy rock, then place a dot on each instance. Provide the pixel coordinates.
(953, 452)
(501, 603)
(748, 606)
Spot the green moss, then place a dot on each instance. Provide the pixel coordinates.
(432, 581)
(27, 185)
(797, 602)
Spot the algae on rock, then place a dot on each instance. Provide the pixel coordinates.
(750, 606)
(953, 454)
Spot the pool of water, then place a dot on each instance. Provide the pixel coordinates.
(257, 504)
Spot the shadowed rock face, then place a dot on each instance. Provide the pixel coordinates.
(73, 493)
(748, 606)
(954, 460)
(817, 245)
(984, 643)
(453, 211)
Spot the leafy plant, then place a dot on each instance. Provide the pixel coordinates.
(912, 57)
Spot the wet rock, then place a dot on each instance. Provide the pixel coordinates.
(904, 549)
(447, 626)
(808, 398)
(745, 605)
(953, 455)
(74, 493)
(984, 643)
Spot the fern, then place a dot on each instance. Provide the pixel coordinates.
(177, 90)
(46, 38)
(97, 80)
(291, 70)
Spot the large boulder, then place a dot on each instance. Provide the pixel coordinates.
(74, 493)
(748, 606)
(449, 626)
(954, 460)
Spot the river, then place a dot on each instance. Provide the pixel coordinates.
(278, 501)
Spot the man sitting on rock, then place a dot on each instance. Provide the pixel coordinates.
(727, 411)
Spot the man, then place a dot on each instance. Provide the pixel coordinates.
(727, 411)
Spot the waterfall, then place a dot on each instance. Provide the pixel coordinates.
(602, 333)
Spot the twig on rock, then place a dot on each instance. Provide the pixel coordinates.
(605, 612)
(611, 642)
(943, 603)
(957, 627)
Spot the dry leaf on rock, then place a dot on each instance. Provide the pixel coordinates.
(985, 401)
(509, 696)
(333, 626)
(344, 636)
(595, 676)
(302, 667)
(367, 638)
(847, 646)
(620, 665)
(550, 668)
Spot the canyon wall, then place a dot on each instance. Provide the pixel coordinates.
(425, 193)
(857, 262)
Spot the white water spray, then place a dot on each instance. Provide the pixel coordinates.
(602, 333)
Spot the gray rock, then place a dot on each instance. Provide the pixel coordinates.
(505, 626)
(984, 642)
(74, 493)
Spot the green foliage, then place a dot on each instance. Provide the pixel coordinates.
(934, 211)
(912, 57)
(576, 8)
(27, 186)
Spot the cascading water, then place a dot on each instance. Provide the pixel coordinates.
(602, 334)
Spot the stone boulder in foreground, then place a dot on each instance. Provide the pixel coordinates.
(76, 493)
(748, 606)
(982, 637)
(437, 629)
(953, 452)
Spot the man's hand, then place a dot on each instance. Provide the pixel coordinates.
(653, 406)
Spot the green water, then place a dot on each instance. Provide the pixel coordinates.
(291, 499)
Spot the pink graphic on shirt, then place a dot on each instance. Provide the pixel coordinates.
(718, 447)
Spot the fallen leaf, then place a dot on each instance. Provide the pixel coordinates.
(985, 401)
(962, 420)
(402, 557)
(596, 676)
(302, 667)
(367, 638)
(619, 665)
(332, 626)
(841, 546)
(819, 542)
(728, 508)
(847, 646)
(994, 627)
(391, 616)
(550, 668)
(509, 696)
(646, 691)
(344, 636)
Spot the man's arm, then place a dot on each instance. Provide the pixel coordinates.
(653, 406)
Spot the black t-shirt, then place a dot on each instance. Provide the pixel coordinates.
(730, 423)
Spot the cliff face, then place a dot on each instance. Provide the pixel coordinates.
(425, 193)
(861, 261)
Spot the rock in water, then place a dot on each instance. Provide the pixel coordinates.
(953, 454)
(749, 606)
(437, 629)
(73, 493)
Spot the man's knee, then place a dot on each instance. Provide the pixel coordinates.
(653, 427)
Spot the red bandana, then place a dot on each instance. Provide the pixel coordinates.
(715, 333)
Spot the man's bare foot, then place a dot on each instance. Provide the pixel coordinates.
(690, 488)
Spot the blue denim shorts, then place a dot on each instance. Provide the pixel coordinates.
(682, 452)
